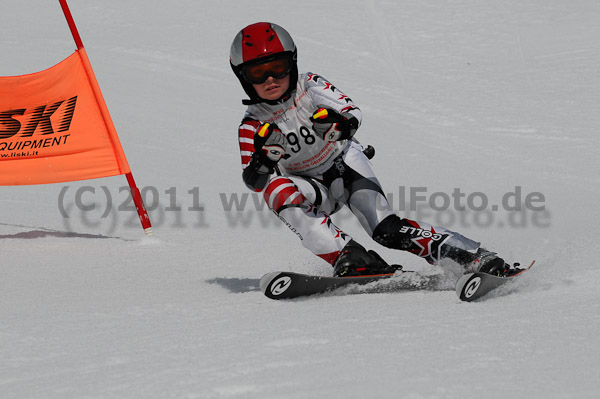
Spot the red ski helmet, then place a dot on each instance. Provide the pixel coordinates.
(258, 43)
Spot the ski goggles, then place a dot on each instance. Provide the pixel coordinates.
(278, 68)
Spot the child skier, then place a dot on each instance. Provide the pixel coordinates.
(297, 147)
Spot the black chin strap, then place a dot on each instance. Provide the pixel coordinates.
(286, 96)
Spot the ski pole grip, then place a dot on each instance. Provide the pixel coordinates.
(264, 130)
(321, 114)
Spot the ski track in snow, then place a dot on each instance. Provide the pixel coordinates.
(481, 96)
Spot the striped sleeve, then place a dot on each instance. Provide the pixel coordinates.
(246, 138)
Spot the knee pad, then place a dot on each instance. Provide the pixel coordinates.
(282, 193)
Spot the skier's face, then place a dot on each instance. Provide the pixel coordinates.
(272, 88)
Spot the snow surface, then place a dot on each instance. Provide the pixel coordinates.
(484, 96)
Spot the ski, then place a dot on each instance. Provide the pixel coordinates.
(289, 285)
(473, 286)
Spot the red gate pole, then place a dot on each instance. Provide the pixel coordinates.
(135, 192)
(71, 22)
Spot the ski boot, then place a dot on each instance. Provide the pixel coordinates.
(490, 263)
(354, 260)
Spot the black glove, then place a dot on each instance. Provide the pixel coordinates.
(330, 125)
(269, 147)
(269, 144)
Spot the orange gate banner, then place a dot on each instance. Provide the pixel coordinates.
(54, 128)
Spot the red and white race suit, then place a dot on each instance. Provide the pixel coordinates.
(320, 176)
